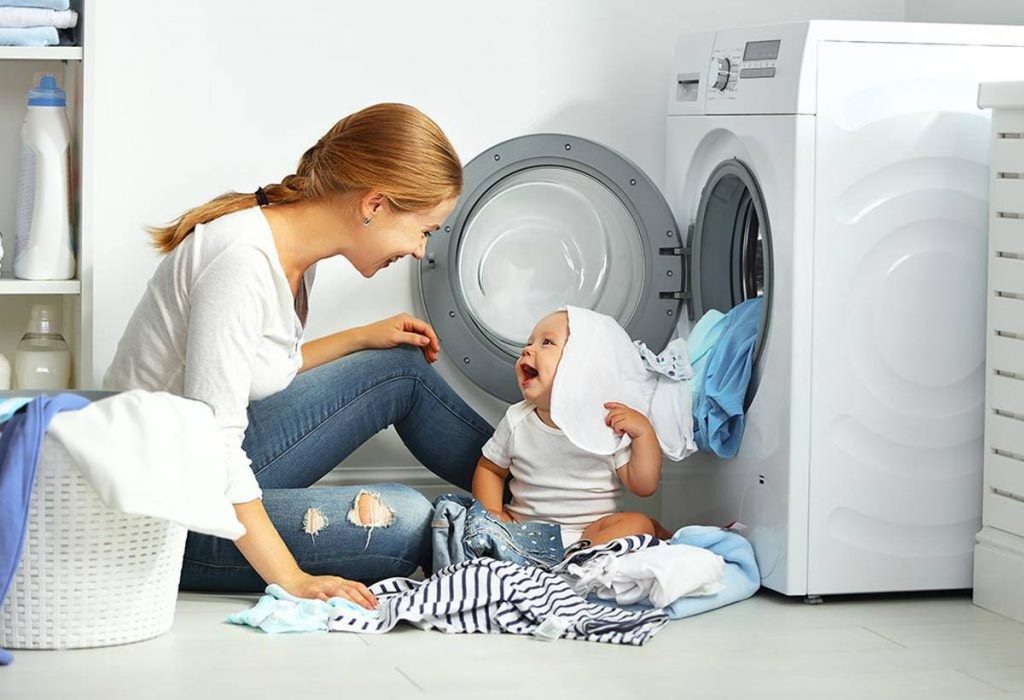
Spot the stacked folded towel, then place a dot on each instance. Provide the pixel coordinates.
(34, 22)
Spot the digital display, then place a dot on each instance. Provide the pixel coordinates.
(761, 50)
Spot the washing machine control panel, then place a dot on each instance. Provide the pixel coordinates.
(723, 74)
(757, 59)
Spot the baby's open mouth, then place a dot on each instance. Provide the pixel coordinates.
(529, 372)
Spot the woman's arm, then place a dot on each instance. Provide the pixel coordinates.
(402, 329)
(263, 547)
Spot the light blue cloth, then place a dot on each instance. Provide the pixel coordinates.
(19, 455)
(740, 577)
(718, 419)
(45, 4)
(29, 36)
(702, 339)
(278, 611)
(8, 407)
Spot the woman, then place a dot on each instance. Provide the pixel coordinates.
(221, 321)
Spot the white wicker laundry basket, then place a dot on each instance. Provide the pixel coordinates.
(89, 576)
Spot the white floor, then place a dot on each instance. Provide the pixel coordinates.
(768, 647)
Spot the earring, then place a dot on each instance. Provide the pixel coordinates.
(366, 221)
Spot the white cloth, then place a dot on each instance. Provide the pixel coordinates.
(17, 17)
(153, 454)
(601, 364)
(660, 575)
(553, 480)
(217, 323)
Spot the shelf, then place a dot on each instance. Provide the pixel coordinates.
(10, 286)
(41, 53)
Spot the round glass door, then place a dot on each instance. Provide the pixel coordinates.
(545, 221)
(543, 238)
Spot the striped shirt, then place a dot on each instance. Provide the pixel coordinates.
(489, 596)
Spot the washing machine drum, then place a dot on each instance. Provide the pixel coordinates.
(547, 220)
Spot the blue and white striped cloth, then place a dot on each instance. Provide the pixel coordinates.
(489, 596)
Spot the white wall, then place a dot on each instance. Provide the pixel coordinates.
(195, 97)
(966, 11)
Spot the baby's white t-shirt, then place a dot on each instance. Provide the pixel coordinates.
(553, 480)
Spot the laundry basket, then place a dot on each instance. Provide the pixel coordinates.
(89, 576)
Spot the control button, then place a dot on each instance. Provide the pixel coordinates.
(719, 73)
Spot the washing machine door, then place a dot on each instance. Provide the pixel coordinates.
(732, 251)
(547, 220)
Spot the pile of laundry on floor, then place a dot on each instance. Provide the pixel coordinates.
(512, 578)
(36, 22)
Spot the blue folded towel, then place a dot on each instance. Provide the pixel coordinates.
(29, 36)
(740, 577)
(19, 455)
(278, 611)
(45, 4)
(718, 409)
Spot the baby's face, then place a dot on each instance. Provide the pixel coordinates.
(537, 364)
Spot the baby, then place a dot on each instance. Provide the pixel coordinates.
(553, 480)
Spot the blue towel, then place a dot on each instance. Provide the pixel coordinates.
(718, 410)
(29, 36)
(45, 4)
(740, 577)
(278, 611)
(19, 454)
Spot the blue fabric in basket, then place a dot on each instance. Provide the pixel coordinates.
(19, 455)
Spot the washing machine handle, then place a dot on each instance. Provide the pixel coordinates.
(685, 294)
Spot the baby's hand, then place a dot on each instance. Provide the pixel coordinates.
(623, 419)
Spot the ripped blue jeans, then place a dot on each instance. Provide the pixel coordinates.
(463, 529)
(298, 435)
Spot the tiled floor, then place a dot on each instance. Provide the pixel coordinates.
(768, 647)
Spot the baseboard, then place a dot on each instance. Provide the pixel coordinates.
(998, 571)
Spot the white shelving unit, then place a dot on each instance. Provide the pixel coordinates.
(19, 67)
(999, 553)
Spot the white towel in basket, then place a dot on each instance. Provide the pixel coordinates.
(155, 454)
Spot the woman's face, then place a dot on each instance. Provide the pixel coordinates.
(392, 235)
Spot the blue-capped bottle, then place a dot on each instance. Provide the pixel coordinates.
(44, 249)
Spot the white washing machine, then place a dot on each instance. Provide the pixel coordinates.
(839, 170)
(860, 151)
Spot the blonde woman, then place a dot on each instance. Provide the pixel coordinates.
(221, 321)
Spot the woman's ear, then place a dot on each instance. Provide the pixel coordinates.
(372, 203)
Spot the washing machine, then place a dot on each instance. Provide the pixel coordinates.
(838, 170)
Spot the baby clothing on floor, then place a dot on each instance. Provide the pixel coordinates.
(601, 364)
(462, 529)
(278, 611)
(484, 595)
(641, 568)
(154, 454)
(554, 480)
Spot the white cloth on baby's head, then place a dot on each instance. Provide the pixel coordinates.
(600, 364)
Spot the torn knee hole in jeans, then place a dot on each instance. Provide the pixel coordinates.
(368, 511)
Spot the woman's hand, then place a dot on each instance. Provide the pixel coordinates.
(324, 587)
(402, 329)
(623, 419)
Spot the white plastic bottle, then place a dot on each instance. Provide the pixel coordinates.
(43, 248)
(43, 360)
(5, 373)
